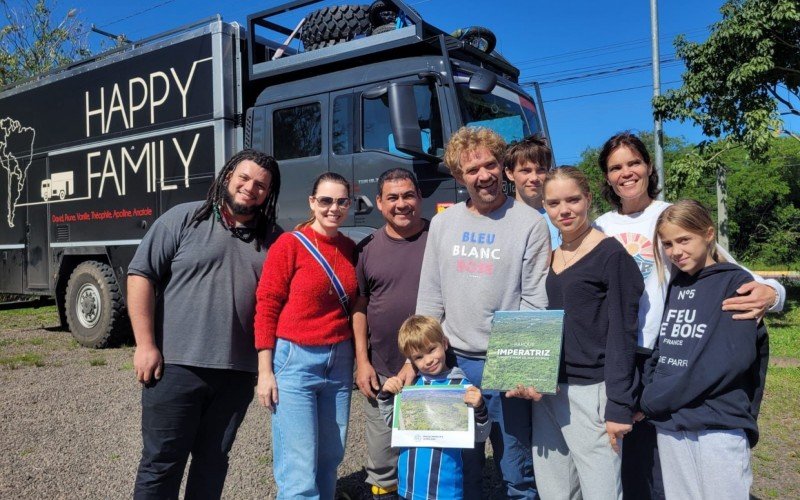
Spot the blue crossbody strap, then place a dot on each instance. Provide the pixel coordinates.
(337, 285)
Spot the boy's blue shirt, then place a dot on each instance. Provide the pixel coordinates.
(432, 473)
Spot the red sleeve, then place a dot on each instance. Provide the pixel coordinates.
(273, 289)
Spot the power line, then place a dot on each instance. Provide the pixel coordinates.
(612, 71)
(603, 48)
(607, 92)
(600, 66)
(148, 9)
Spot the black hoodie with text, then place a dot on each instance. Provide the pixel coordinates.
(707, 370)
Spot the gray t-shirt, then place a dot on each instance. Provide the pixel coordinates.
(206, 290)
(476, 264)
(388, 273)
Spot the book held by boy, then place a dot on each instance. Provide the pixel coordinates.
(433, 416)
(524, 349)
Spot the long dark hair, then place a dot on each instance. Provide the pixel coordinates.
(267, 213)
(324, 177)
(630, 141)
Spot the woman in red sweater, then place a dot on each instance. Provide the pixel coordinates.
(304, 342)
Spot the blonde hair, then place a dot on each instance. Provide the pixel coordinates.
(571, 173)
(467, 140)
(417, 333)
(690, 215)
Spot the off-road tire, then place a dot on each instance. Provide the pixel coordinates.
(382, 12)
(383, 29)
(475, 34)
(331, 25)
(95, 307)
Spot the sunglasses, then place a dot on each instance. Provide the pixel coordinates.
(327, 201)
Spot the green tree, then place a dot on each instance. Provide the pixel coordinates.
(34, 40)
(742, 79)
(764, 203)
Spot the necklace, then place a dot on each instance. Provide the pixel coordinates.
(244, 233)
(574, 253)
(335, 258)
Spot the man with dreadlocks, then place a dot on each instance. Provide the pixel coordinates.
(191, 299)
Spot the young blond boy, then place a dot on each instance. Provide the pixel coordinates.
(425, 473)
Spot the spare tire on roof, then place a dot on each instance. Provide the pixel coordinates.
(332, 25)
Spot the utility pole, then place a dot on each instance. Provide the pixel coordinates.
(722, 207)
(658, 132)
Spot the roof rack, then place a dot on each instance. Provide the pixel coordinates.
(265, 64)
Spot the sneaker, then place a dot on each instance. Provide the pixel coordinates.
(379, 493)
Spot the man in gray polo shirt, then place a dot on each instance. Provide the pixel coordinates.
(191, 299)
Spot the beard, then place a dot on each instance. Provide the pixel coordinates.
(238, 208)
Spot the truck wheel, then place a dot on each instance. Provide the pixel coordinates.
(62, 194)
(332, 25)
(95, 308)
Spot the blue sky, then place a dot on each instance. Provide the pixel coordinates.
(584, 52)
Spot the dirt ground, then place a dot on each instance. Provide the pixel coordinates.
(69, 426)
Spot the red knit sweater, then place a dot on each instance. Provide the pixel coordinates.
(293, 300)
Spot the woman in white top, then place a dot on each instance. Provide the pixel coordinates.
(631, 187)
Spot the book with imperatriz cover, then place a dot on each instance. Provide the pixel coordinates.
(524, 349)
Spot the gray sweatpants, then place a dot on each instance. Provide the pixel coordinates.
(705, 464)
(381, 457)
(572, 456)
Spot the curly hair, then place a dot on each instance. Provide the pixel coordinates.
(467, 140)
(266, 215)
(630, 141)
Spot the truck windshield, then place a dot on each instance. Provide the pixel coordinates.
(511, 115)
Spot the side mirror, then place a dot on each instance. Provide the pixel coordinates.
(405, 126)
(482, 82)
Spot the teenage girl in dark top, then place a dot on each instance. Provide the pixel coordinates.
(577, 432)
(705, 379)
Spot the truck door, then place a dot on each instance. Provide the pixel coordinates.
(376, 151)
(37, 233)
(299, 143)
(343, 144)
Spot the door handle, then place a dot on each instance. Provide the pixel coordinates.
(363, 205)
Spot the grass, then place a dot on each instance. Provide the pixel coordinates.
(20, 360)
(776, 458)
(97, 362)
(784, 328)
(29, 317)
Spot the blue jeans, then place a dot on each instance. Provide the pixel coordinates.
(510, 437)
(309, 426)
(190, 410)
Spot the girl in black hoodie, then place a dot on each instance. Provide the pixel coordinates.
(706, 376)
